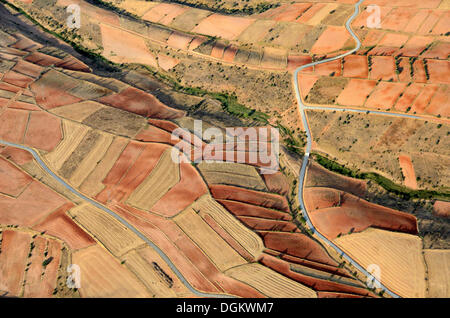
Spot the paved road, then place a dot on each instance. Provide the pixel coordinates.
(302, 109)
(118, 218)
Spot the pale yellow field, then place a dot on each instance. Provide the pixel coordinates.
(445, 5)
(103, 276)
(398, 255)
(148, 275)
(111, 233)
(89, 162)
(93, 183)
(248, 239)
(319, 16)
(207, 240)
(137, 7)
(438, 265)
(78, 111)
(269, 282)
(232, 174)
(73, 135)
(164, 176)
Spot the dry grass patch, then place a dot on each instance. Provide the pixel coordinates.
(78, 111)
(438, 265)
(398, 255)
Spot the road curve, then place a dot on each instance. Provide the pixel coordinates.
(120, 219)
(301, 178)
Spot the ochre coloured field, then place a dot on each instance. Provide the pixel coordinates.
(260, 224)
(245, 209)
(408, 97)
(383, 67)
(141, 103)
(440, 104)
(331, 40)
(408, 171)
(306, 83)
(423, 99)
(356, 92)
(438, 264)
(179, 40)
(438, 71)
(356, 66)
(13, 125)
(398, 256)
(332, 68)
(16, 155)
(441, 208)
(222, 26)
(347, 214)
(164, 13)
(44, 131)
(17, 79)
(12, 180)
(264, 199)
(60, 225)
(276, 182)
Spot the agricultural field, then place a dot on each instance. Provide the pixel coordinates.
(116, 161)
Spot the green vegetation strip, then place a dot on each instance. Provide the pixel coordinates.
(384, 182)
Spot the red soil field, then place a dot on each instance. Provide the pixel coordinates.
(96, 13)
(416, 21)
(408, 97)
(332, 68)
(321, 198)
(356, 92)
(50, 97)
(332, 39)
(404, 70)
(26, 44)
(164, 13)
(443, 26)
(276, 182)
(361, 19)
(190, 188)
(407, 3)
(298, 245)
(385, 95)
(136, 101)
(383, 67)
(441, 208)
(423, 99)
(42, 59)
(292, 12)
(306, 16)
(440, 51)
(170, 127)
(13, 258)
(430, 22)
(318, 176)
(71, 63)
(11, 88)
(264, 199)
(306, 82)
(230, 53)
(223, 26)
(23, 106)
(321, 294)
(260, 224)
(13, 125)
(294, 61)
(154, 134)
(408, 171)
(356, 215)
(393, 40)
(312, 282)
(273, 12)
(398, 18)
(217, 51)
(33, 203)
(12, 180)
(17, 79)
(196, 42)
(27, 68)
(439, 71)
(415, 46)
(420, 75)
(60, 225)
(245, 209)
(372, 38)
(356, 66)
(167, 62)
(16, 155)
(440, 104)
(44, 131)
(179, 40)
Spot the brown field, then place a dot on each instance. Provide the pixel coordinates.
(408, 97)
(13, 259)
(269, 282)
(383, 67)
(345, 213)
(306, 83)
(408, 171)
(179, 40)
(60, 225)
(16, 155)
(17, 79)
(423, 99)
(356, 92)
(103, 275)
(13, 126)
(356, 66)
(164, 13)
(261, 224)
(398, 255)
(439, 71)
(112, 234)
(385, 95)
(13, 181)
(43, 131)
(441, 208)
(221, 254)
(331, 40)
(440, 104)
(438, 263)
(227, 27)
(332, 68)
